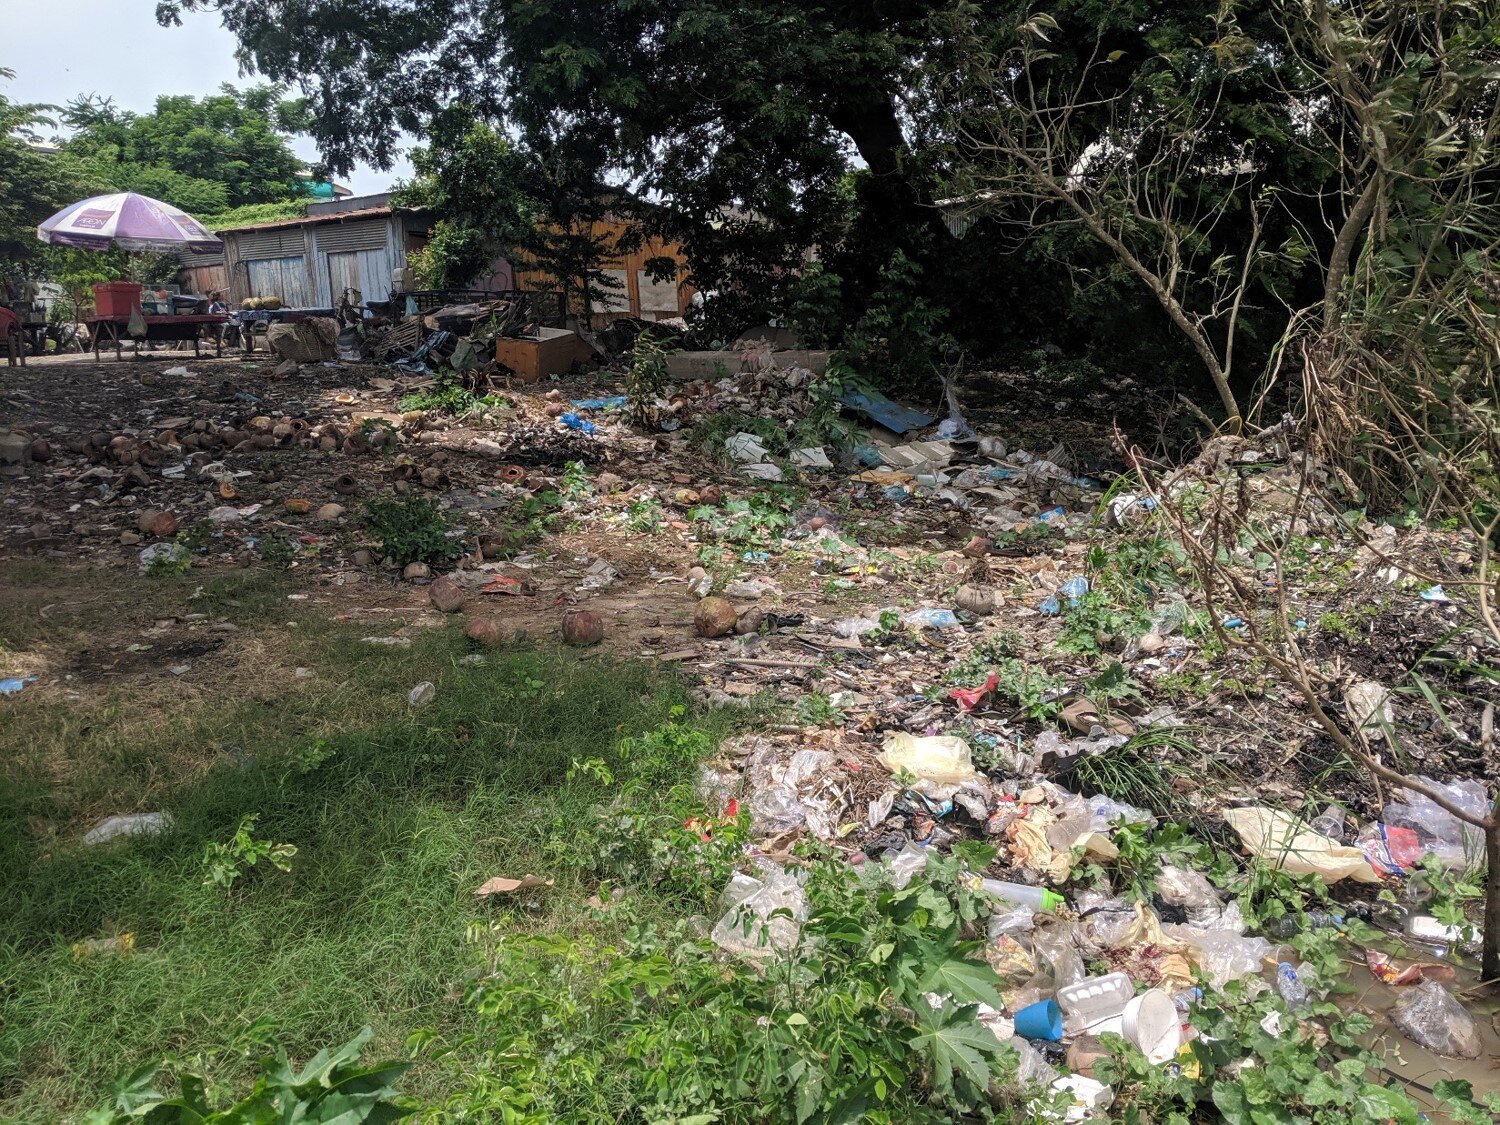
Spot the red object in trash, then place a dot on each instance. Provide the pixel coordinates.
(117, 298)
(969, 698)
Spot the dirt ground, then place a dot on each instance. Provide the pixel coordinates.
(240, 458)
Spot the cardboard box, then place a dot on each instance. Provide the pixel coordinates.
(550, 352)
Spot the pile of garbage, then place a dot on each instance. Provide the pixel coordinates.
(888, 811)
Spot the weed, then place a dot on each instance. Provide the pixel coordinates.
(278, 549)
(647, 378)
(575, 482)
(818, 711)
(644, 516)
(332, 1087)
(227, 862)
(410, 530)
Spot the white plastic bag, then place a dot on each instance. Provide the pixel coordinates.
(941, 759)
(1285, 842)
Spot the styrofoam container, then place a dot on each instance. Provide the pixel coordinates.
(1150, 1022)
(1095, 998)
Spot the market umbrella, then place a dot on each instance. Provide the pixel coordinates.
(127, 221)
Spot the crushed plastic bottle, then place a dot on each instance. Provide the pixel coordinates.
(1074, 589)
(1290, 986)
(931, 619)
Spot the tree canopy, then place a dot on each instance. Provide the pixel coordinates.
(205, 155)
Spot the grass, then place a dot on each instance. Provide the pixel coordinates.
(397, 815)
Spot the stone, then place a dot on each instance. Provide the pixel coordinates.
(129, 538)
(413, 572)
(157, 523)
(297, 506)
(486, 631)
(306, 341)
(423, 694)
(330, 511)
(363, 557)
(446, 594)
(41, 451)
(284, 368)
(582, 628)
(15, 449)
(715, 617)
(1151, 643)
(976, 548)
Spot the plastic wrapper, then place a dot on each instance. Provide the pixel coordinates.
(1034, 1069)
(805, 765)
(775, 809)
(1191, 890)
(1224, 956)
(1285, 842)
(1105, 922)
(748, 927)
(1428, 1015)
(1057, 957)
(1438, 831)
(715, 787)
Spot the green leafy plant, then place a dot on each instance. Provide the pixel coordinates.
(225, 863)
(644, 516)
(409, 530)
(333, 1088)
(647, 377)
(450, 396)
(575, 482)
(278, 549)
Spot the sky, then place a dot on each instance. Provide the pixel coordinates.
(62, 48)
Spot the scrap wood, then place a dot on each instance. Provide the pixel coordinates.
(499, 885)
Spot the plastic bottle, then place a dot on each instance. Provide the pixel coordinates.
(931, 618)
(1330, 823)
(1038, 898)
(1290, 986)
(1289, 924)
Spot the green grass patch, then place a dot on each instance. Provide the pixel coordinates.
(396, 814)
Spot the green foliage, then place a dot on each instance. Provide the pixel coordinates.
(660, 1025)
(204, 155)
(409, 530)
(644, 516)
(647, 378)
(278, 549)
(575, 481)
(450, 396)
(332, 1088)
(759, 520)
(251, 213)
(224, 863)
(33, 186)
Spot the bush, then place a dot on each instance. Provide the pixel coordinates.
(411, 530)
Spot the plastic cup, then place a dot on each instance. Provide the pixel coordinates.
(1042, 1020)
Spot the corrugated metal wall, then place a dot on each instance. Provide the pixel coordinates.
(356, 255)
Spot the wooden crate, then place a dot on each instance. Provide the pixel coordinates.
(550, 352)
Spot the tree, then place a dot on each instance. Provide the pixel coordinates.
(204, 155)
(702, 104)
(33, 186)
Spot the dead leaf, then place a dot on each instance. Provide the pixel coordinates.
(500, 885)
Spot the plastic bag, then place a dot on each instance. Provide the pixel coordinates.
(943, 759)
(1224, 956)
(1105, 922)
(715, 787)
(1057, 956)
(1438, 831)
(1191, 890)
(806, 765)
(1286, 843)
(747, 927)
(1428, 1015)
(905, 864)
(775, 809)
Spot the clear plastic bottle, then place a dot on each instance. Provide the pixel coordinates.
(1038, 898)
(1290, 986)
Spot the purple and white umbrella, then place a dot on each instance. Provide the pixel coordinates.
(127, 221)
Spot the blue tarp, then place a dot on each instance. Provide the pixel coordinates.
(892, 415)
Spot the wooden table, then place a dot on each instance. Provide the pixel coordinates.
(111, 329)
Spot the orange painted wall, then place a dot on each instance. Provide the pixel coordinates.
(632, 264)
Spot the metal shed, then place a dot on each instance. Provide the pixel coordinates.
(344, 244)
